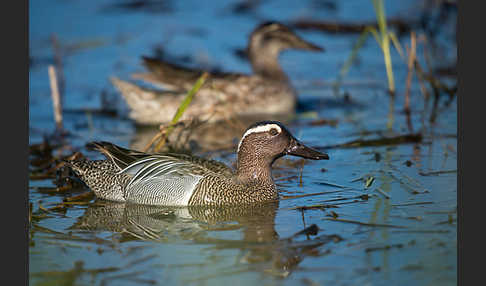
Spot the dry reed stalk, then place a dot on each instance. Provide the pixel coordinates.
(152, 141)
(422, 38)
(56, 46)
(411, 60)
(56, 98)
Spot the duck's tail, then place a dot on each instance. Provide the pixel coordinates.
(146, 106)
(101, 177)
(120, 156)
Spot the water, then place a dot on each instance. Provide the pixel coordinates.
(412, 238)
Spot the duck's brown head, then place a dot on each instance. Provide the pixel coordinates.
(266, 141)
(267, 41)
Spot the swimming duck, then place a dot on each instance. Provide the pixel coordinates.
(226, 95)
(181, 180)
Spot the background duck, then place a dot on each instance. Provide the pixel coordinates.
(180, 180)
(266, 92)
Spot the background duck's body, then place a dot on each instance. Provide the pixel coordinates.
(267, 91)
(217, 100)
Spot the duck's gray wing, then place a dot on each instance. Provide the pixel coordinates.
(162, 180)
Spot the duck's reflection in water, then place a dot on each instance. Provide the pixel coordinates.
(260, 245)
(195, 135)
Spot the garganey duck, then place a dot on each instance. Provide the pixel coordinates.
(181, 180)
(226, 95)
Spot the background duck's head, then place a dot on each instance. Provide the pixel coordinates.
(266, 141)
(266, 43)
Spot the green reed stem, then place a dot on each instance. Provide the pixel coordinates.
(182, 107)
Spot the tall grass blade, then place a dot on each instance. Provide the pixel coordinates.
(383, 38)
(347, 64)
(180, 110)
(385, 42)
(397, 45)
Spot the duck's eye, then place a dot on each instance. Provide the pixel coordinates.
(273, 132)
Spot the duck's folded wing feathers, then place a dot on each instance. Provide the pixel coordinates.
(175, 77)
(161, 180)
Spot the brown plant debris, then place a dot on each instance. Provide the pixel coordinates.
(386, 247)
(384, 141)
(364, 223)
(349, 28)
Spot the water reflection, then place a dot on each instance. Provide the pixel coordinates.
(202, 136)
(260, 246)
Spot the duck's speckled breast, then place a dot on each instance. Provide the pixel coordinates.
(219, 190)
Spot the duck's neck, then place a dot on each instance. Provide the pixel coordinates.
(252, 169)
(264, 60)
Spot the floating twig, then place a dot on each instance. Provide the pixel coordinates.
(435, 173)
(364, 223)
(412, 204)
(313, 207)
(82, 197)
(406, 185)
(450, 220)
(385, 141)
(357, 179)
(386, 247)
(55, 190)
(333, 185)
(379, 190)
(410, 179)
(308, 195)
(421, 231)
(43, 176)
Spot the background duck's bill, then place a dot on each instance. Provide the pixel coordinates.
(299, 43)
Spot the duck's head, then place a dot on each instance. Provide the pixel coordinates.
(278, 37)
(266, 141)
(266, 43)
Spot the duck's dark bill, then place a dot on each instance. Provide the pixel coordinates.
(298, 149)
(300, 43)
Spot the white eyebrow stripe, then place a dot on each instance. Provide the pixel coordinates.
(261, 128)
